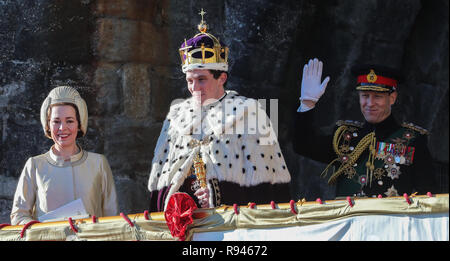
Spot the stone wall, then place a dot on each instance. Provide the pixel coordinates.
(131, 55)
(122, 57)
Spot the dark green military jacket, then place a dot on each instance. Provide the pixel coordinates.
(364, 159)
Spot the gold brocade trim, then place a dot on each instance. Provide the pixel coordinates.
(367, 141)
(351, 123)
(415, 128)
(372, 88)
(370, 167)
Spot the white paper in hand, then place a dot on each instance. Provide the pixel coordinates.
(74, 209)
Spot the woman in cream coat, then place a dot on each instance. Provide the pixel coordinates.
(66, 172)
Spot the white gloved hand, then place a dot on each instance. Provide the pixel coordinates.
(202, 195)
(312, 89)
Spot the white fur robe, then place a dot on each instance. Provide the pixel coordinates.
(234, 136)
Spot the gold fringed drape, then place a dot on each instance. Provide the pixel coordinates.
(225, 218)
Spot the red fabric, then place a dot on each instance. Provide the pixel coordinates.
(146, 215)
(127, 219)
(292, 204)
(4, 225)
(72, 226)
(178, 214)
(380, 80)
(26, 226)
(407, 198)
(272, 204)
(350, 202)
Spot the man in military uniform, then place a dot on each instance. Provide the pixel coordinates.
(371, 158)
(205, 150)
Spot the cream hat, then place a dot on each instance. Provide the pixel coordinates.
(65, 94)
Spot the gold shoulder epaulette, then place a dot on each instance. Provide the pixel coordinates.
(415, 128)
(349, 123)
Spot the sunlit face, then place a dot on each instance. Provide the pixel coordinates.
(376, 106)
(203, 86)
(64, 126)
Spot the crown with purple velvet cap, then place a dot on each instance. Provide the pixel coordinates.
(203, 51)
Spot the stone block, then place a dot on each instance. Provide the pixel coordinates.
(132, 195)
(7, 190)
(108, 83)
(136, 90)
(5, 211)
(142, 10)
(120, 40)
(7, 187)
(129, 145)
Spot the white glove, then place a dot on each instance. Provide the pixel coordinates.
(202, 195)
(312, 89)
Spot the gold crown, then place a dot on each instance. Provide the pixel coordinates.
(213, 57)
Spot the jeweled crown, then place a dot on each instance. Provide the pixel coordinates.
(203, 51)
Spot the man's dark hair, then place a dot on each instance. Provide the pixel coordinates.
(216, 74)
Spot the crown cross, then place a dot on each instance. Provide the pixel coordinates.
(185, 50)
(202, 13)
(202, 27)
(186, 47)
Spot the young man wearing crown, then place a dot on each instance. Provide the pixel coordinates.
(376, 158)
(217, 146)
